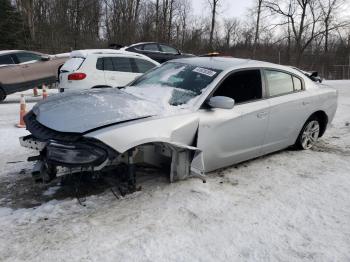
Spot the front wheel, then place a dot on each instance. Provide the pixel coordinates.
(309, 134)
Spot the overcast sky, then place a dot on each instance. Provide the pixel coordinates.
(228, 8)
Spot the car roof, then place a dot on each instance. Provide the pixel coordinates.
(112, 52)
(85, 52)
(227, 63)
(144, 43)
(4, 52)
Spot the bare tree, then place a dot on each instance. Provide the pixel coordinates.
(297, 13)
(329, 9)
(213, 5)
(257, 25)
(230, 28)
(170, 21)
(27, 9)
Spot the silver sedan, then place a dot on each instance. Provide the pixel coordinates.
(194, 115)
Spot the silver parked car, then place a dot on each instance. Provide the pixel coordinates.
(194, 114)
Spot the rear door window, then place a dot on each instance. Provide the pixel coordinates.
(108, 64)
(143, 66)
(151, 47)
(138, 47)
(169, 49)
(6, 60)
(120, 64)
(279, 83)
(24, 57)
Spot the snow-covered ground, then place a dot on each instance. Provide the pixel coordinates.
(287, 206)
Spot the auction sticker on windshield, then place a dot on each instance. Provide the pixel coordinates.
(204, 71)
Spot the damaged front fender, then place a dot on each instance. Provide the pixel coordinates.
(180, 129)
(177, 133)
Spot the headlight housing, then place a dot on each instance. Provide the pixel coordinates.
(73, 155)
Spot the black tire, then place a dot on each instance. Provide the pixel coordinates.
(2, 95)
(305, 134)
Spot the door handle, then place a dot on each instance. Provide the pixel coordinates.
(262, 115)
(305, 103)
(25, 66)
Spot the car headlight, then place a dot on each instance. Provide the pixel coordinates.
(75, 154)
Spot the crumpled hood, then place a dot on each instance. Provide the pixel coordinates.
(83, 111)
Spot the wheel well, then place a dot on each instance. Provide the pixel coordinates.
(323, 118)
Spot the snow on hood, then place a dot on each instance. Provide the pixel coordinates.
(80, 112)
(162, 97)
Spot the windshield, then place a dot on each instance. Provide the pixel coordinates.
(182, 81)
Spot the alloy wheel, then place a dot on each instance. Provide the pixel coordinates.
(310, 134)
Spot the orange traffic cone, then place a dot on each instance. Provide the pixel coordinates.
(35, 91)
(44, 92)
(22, 112)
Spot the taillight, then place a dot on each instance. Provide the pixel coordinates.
(76, 76)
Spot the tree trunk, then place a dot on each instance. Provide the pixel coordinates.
(212, 24)
(170, 19)
(157, 20)
(257, 25)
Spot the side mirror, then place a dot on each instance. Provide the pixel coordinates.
(45, 58)
(223, 102)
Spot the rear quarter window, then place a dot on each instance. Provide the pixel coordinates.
(151, 47)
(27, 57)
(99, 64)
(297, 84)
(279, 83)
(142, 66)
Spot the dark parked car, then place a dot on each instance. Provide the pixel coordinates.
(22, 70)
(158, 52)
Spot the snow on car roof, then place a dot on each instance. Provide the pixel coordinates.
(226, 63)
(142, 43)
(85, 52)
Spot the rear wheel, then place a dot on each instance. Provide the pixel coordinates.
(309, 134)
(2, 95)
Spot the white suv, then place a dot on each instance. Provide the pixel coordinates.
(102, 68)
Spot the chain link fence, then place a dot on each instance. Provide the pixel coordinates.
(337, 72)
(330, 66)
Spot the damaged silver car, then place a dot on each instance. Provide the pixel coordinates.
(194, 114)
